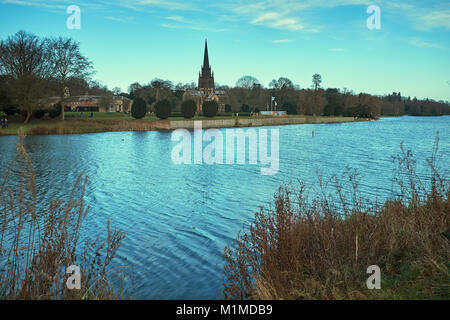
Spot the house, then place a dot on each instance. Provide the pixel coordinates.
(89, 103)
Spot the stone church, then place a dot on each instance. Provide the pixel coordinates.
(206, 77)
(206, 88)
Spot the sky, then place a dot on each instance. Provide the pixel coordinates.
(139, 40)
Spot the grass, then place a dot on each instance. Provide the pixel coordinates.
(39, 242)
(321, 248)
(100, 122)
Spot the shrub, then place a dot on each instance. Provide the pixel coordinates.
(10, 111)
(39, 114)
(289, 107)
(163, 109)
(188, 109)
(328, 110)
(210, 108)
(228, 108)
(55, 111)
(139, 108)
(245, 108)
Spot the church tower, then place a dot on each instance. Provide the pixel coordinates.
(206, 77)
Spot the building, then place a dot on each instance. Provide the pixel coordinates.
(206, 87)
(89, 103)
(206, 77)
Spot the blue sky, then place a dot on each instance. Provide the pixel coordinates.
(139, 40)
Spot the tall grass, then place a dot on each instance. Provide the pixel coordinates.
(90, 126)
(321, 248)
(38, 243)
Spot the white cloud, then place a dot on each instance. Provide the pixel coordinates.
(435, 19)
(424, 44)
(34, 3)
(282, 41)
(266, 16)
(177, 18)
(276, 20)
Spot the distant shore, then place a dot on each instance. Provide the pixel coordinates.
(119, 122)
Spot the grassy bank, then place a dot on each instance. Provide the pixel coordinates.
(106, 122)
(321, 248)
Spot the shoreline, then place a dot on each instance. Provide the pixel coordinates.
(81, 126)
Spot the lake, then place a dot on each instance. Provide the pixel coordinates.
(178, 218)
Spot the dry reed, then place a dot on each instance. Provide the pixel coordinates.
(321, 249)
(38, 244)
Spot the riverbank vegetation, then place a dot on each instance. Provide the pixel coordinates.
(78, 123)
(38, 242)
(321, 249)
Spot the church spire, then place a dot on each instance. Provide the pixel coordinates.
(206, 57)
(206, 78)
(206, 68)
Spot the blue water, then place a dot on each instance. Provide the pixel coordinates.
(178, 218)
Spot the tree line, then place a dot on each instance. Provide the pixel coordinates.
(248, 95)
(33, 68)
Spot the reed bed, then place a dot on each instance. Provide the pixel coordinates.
(38, 245)
(320, 248)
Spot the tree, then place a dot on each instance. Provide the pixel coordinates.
(139, 108)
(282, 83)
(290, 107)
(369, 106)
(335, 105)
(188, 108)
(316, 80)
(163, 109)
(134, 90)
(328, 110)
(105, 102)
(24, 60)
(6, 104)
(247, 82)
(67, 62)
(283, 90)
(210, 108)
(55, 111)
(116, 91)
(39, 113)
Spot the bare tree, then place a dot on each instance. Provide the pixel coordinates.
(116, 91)
(24, 60)
(247, 82)
(67, 62)
(282, 83)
